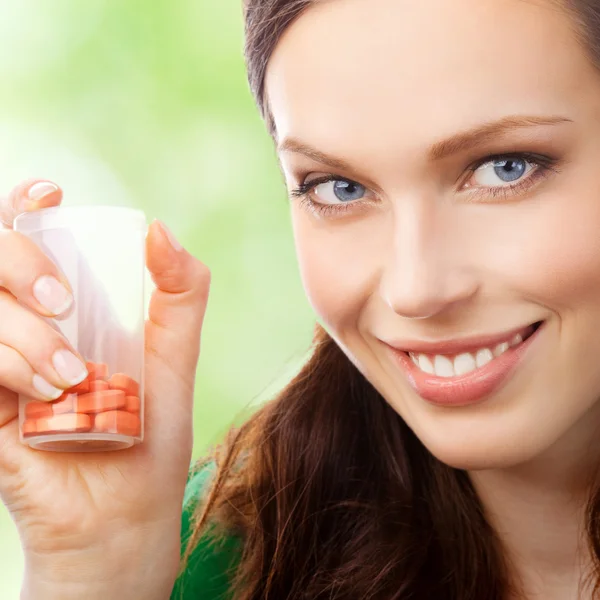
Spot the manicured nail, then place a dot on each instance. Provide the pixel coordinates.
(38, 191)
(69, 367)
(52, 294)
(170, 237)
(46, 389)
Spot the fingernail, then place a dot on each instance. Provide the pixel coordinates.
(170, 237)
(38, 191)
(52, 294)
(46, 389)
(69, 367)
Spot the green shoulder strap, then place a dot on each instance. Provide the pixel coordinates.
(214, 559)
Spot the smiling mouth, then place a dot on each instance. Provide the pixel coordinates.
(456, 364)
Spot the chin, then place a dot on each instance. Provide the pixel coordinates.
(483, 449)
(476, 459)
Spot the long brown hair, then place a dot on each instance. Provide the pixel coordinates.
(333, 495)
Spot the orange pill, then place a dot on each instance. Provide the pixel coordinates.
(80, 388)
(132, 404)
(65, 404)
(121, 381)
(37, 410)
(97, 370)
(70, 423)
(118, 421)
(98, 385)
(29, 427)
(100, 401)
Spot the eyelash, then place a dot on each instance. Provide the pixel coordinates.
(543, 164)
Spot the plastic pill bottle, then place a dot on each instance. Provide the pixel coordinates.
(101, 251)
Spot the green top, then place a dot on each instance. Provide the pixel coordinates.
(212, 562)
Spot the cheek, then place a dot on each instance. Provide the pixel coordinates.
(551, 253)
(338, 265)
(563, 273)
(546, 252)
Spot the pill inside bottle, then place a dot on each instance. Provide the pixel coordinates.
(101, 251)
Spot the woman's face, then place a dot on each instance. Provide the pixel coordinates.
(429, 233)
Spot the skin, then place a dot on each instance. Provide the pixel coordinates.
(82, 517)
(428, 253)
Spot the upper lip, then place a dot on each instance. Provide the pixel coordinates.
(462, 345)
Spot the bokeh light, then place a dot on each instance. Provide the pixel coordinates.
(146, 105)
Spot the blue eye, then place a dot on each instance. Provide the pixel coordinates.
(343, 190)
(507, 170)
(510, 170)
(496, 177)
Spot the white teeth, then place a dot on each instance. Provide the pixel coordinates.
(425, 364)
(516, 340)
(464, 363)
(442, 366)
(501, 348)
(483, 357)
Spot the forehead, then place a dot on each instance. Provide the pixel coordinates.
(367, 70)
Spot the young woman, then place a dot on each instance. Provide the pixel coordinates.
(441, 442)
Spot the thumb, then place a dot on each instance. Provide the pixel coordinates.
(177, 306)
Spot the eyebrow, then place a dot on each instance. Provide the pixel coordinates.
(460, 142)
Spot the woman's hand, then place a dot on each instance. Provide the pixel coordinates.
(107, 524)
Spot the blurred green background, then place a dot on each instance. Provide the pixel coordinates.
(146, 104)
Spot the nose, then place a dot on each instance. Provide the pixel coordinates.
(427, 269)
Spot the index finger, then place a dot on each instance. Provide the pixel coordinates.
(29, 195)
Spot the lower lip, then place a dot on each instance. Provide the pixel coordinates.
(471, 387)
